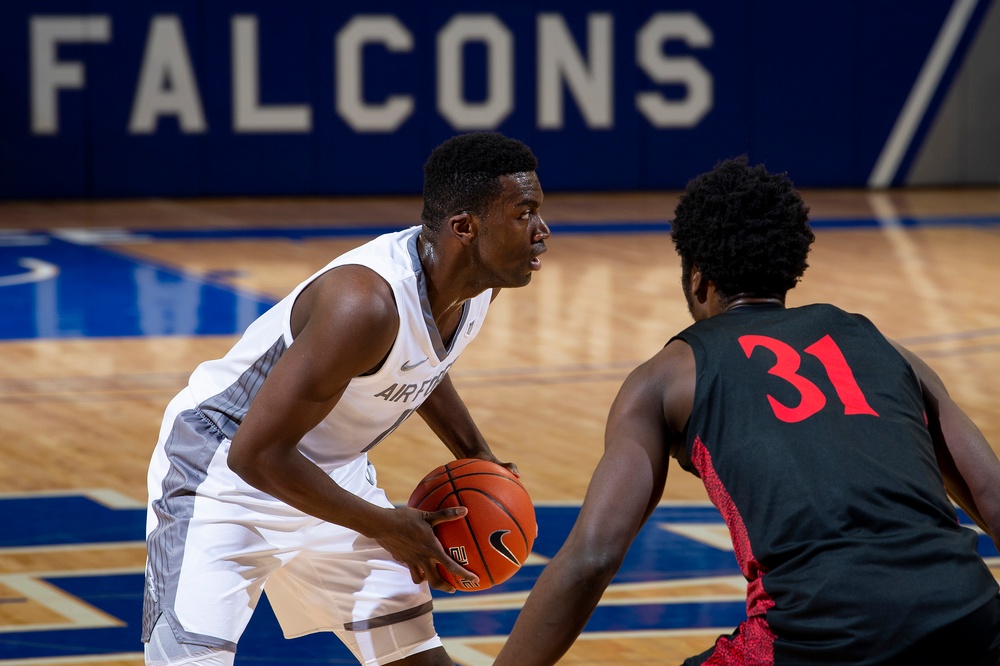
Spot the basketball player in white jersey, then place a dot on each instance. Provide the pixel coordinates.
(260, 476)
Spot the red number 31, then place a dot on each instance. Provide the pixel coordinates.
(786, 366)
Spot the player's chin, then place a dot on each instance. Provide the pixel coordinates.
(513, 280)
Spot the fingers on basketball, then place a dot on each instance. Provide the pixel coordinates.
(496, 535)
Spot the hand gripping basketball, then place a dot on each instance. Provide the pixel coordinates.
(496, 535)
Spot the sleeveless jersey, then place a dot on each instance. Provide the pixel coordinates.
(809, 432)
(372, 406)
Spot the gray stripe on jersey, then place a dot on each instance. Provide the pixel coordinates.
(440, 349)
(193, 442)
(227, 409)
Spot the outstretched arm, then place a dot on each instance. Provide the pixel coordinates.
(968, 464)
(624, 490)
(344, 324)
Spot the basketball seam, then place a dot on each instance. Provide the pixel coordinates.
(468, 525)
(449, 480)
(507, 511)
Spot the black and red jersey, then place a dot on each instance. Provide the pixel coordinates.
(809, 432)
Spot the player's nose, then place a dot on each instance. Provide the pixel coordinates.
(542, 232)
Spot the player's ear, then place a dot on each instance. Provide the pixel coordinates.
(698, 284)
(464, 226)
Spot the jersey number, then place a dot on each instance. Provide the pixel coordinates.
(786, 366)
(388, 431)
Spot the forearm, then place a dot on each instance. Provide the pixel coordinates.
(447, 416)
(406, 534)
(556, 611)
(971, 469)
(987, 512)
(985, 494)
(968, 464)
(295, 480)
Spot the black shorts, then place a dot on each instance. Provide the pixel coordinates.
(972, 641)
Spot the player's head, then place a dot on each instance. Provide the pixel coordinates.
(463, 174)
(745, 229)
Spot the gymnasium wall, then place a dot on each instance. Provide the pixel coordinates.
(118, 98)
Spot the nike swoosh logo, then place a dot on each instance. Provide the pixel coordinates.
(38, 271)
(409, 366)
(496, 540)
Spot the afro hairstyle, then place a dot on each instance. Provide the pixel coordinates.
(747, 230)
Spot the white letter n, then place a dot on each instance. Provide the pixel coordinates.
(559, 60)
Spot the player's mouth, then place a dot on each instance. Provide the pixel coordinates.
(536, 263)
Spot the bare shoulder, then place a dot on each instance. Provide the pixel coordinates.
(664, 382)
(673, 365)
(925, 374)
(677, 365)
(347, 315)
(354, 292)
(677, 354)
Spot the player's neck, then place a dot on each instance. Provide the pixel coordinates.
(445, 293)
(751, 299)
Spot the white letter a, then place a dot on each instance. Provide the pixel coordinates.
(166, 83)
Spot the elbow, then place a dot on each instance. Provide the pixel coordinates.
(990, 511)
(238, 464)
(985, 498)
(596, 564)
(245, 466)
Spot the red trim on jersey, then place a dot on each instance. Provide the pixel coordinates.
(753, 643)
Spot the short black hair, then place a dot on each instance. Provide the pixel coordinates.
(746, 229)
(463, 174)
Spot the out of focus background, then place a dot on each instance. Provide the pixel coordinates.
(195, 98)
(170, 169)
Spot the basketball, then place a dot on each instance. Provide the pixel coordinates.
(494, 538)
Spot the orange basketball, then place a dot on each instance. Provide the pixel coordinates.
(494, 538)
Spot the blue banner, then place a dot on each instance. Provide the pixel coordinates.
(116, 98)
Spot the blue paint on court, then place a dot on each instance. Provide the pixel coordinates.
(656, 555)
(58, 521)
(59, 289)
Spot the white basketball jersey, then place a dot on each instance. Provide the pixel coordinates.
(372, 406)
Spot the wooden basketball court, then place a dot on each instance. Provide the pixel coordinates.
(80, 415)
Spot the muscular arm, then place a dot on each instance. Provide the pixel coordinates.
(624, 490)
(344, 324)
(968, 464)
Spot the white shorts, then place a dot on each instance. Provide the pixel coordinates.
(210, 557)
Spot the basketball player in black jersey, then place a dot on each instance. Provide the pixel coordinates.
(827, 448)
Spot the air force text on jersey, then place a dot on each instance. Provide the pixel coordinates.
(473, 60)
(402, 391)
